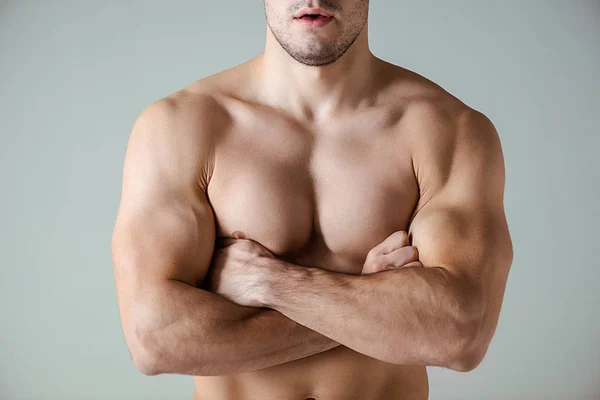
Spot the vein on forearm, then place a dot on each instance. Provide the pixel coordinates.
(197, 332)
(404, 316)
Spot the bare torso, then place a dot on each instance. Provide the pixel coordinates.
(321, 195)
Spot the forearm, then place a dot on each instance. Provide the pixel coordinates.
(412, 316)
(196, 332)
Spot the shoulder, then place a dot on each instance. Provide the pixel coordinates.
(462, 163)
(442, 125)
(196, 106)
(448, 139)
(203, 108)
(180, 131)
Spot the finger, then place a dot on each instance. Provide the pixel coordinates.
(393, 242)
(413, 264)
(402, 256)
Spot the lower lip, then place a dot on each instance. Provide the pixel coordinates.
(313, 23)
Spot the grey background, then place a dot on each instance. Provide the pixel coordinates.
(74, 75)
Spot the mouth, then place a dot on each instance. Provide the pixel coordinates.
(312, 13)
(313, 17)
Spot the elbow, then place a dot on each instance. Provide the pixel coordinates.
(146, 367)
(150, 357)
(144, 329)
(143, 352)
(468, 360)
(144, 360)
(145, 364)
(469, 350)
(470, 341)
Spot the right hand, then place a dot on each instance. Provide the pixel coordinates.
(394, 252)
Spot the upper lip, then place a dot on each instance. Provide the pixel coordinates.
(305, 11)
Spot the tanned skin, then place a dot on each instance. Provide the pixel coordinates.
(313, 223)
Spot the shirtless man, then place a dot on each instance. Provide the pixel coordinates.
(315, 223)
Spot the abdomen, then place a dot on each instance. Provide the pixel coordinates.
(336, 374)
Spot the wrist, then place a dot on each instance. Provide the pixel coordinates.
(269, 268)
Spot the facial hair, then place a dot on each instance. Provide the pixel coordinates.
(318, 52)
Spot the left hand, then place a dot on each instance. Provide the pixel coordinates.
(236, 271)
(394, 252)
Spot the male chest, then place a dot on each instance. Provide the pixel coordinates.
(314, 198)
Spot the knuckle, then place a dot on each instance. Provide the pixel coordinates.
(406, 255)
(399, 238)
(403, 236)
(415, 252)
(374, 253)
(397, 258)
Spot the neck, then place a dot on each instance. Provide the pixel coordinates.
(313, 92)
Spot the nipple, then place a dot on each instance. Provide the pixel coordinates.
(238, 235)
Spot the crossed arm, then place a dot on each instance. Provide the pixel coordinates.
(443, 314)
(162, 245)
